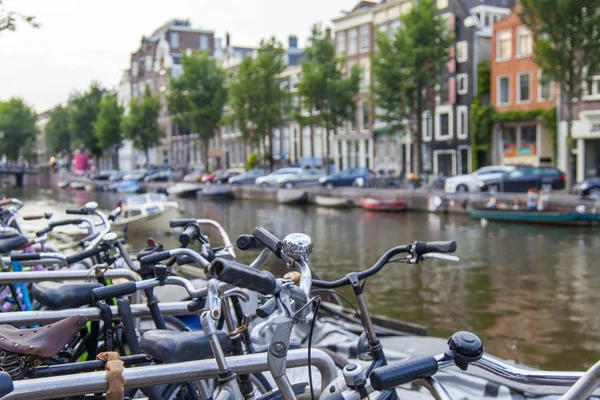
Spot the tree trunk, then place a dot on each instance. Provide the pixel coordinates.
(328, 151)
(417, 148)
(570, 159)
(270, 155)
(147, 153)
(204, 146)
(312, 138)
(116, 159)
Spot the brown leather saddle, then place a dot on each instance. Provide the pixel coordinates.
(45, 341)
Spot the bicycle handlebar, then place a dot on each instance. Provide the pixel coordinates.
(83, 255)
(390, 376)
(268, 239)
(249, 243)
(243, 276)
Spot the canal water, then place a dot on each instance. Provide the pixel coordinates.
(532, 293)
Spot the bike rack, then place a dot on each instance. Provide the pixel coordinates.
(25, 318)
(585, 385)
(94, 382)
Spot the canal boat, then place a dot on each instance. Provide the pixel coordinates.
(215, 192)
(292, 196)
(129, 187)
(538, 217)
(184, 189)
(372, 204)
(333, 202)
(146, 213)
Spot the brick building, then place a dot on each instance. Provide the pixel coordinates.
(517, 85)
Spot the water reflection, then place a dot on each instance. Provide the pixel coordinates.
(530, 292)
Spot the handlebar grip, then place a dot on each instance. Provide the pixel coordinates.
(155, 257)
(243, 276)
(248, 242)
(64, 222)
(109, 292)
(268, 239)
(43, 231)
(436, 247)
(25, 257)
(77, 212)
(189, 235)
(6, 202)
(32, 217)
(196, 305)
(175, 223)
(393, 375)
(83, 255)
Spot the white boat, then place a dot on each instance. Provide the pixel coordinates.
(144, 213)
(334, 202)
(184, 189)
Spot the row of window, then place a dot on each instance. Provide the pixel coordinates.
(444, 126)
(203, 45)
(524, 89)
(504, 44)
(354, 44)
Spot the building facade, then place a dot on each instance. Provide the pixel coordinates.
(150, 64)
(41, 155)
(517, 84)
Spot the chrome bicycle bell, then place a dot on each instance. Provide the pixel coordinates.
(297, 246)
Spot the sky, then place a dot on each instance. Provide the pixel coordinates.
(83, 40)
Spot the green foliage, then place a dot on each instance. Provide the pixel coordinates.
(482, 114)
(197, 97)
(407, 66)
(83, 111)
(17, 124)
(141, 124)
(566, 34)
(256, 94)
(9, 19)
(251, 162)
(107, 127)
(57, 133)
(484, 76)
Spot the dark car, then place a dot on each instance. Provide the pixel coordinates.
(247, 178)
(590, 187)
(521, 179)
(101, 175)
(230, 173)
(162, 176)
(347, 177)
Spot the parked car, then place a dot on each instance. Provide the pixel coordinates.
(210, 178)
(230, 173)
(195, 176)
(308, 177)
(136, 175)
(470, 182)
(590, 187)
(523, 178)
(162, 176)
(247, 178)
(101, 175)
(347, 177)
(273, 178)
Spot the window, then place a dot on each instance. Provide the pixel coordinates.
(444, 123)
(340, 40)
(365, 38)
(528, 141)
(444, 92)
(365, 115)
(365, 74)
(148, 64)
(134, 69)
(175, 40)
(462, 125)
(462, 51)
(394, 27)
(592, 86)
(503, 90)
(544, 87)
(352, 42)
(503, 45)
(462, 83)
(204, 42)
(427, 126)
(382, 147)
(441, 4)
(524, 42)
(524, 87)
(509, 142)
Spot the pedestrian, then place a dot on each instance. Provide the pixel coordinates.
(532, 199)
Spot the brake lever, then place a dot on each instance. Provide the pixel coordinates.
(440, 256)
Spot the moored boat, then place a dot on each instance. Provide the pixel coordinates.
(538, 217)
(129, 187)
(215, 192)
(372, 204)
(291, 196)
(184, 189)
(333, 202)
(147, 213)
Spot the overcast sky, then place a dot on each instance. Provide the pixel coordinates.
(84, 40)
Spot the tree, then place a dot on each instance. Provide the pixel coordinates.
(17, 125)
(57, 133)
(8, 19)
(196, 98)
(256, 95)
(83, 111)
(407, 67)
(107, 128)
(567, 46)
(324, 88)
(141, 124)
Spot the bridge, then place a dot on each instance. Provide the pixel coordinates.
(18, 172)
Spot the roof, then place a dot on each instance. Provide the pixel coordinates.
(469, 4)
(361, 7)
(174, 25)
(364, 4)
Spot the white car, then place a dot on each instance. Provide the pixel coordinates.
(281, 174)
(470, 182)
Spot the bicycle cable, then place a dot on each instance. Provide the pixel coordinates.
(333, 292)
